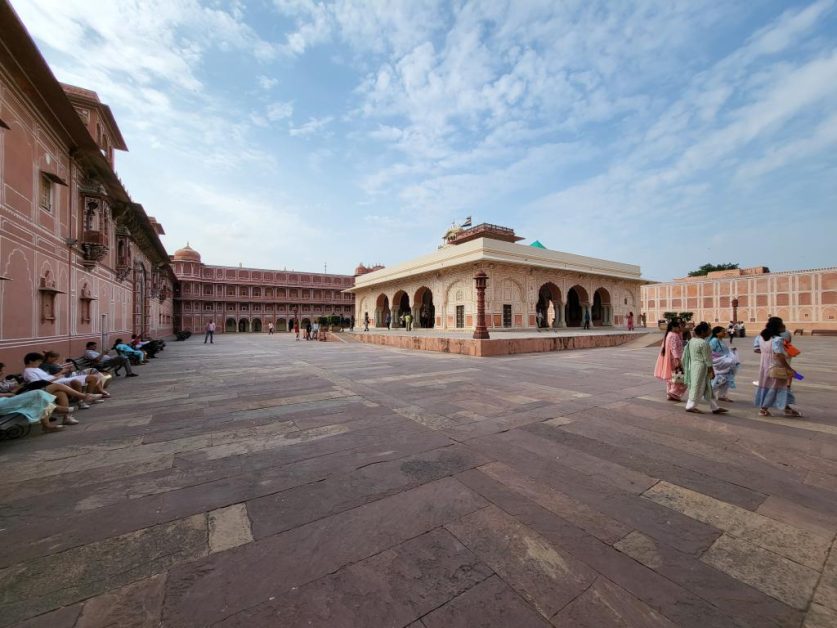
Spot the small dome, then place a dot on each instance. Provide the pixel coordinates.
(187, 254)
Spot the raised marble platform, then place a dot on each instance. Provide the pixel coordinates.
(501, 343)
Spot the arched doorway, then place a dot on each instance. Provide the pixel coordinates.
(549, 308)
(577, 303)
(281, 324)
(381, 311)
(424, 311)
(601, 311)
(257, 325)
(243, 325)
(400, 307)
(230, 326)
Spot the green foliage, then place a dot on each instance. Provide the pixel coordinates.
(686, 317)
(711, 268)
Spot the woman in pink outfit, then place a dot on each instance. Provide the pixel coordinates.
(668, 362)
(630, 321)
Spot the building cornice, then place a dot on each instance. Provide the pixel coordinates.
(489, 250)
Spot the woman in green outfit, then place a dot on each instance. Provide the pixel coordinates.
(697, 366)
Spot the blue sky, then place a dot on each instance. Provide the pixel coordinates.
(293, 133)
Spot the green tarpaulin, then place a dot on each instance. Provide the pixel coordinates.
(537, 244)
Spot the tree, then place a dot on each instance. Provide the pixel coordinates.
(711, 268)
(686, 317)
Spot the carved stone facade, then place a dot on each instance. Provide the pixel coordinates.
(64, 214)
(804, 299)
(527, 288)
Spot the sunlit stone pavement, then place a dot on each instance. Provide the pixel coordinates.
(261, 481)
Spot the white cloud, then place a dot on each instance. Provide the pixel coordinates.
(279, 111)
(266, 82)
(314, 125)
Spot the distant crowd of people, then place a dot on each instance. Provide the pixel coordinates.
(696, 363)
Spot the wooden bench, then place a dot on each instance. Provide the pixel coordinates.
(83, 363)
(824, 332)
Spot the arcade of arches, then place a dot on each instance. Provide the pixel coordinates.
(516, 299)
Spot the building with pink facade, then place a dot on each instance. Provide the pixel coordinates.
(248, 299)
(79, 259)
(804, 299)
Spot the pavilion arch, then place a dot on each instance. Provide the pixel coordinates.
(456, 296)
(578, 302)
(424, 311)
(281, 324)
(400, 307)
(243, 325)
(362, 308)
(257, 325)
(381, 310)
(230, 326)
(601, 311)
(549, 308)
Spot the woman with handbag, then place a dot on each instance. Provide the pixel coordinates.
(775, 372)
(668, 367)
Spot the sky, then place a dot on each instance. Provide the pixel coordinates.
(299, 134)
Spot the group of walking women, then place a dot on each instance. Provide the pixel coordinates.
(697, 364)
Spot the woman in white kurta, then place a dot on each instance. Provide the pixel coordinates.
(697, 366)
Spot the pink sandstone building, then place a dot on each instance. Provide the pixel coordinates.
(805, 299)
(244, 300)
(79, 259)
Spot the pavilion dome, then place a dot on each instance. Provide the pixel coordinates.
(187, 254)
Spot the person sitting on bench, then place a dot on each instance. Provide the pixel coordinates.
(93, 379)
(36, 379)
(149, 347)
(129, 352)
(115, 362)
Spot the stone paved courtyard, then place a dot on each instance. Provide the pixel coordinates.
(265, 482)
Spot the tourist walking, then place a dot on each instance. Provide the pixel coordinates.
(775, 372)
(586, 318)
(669, 367)
(725, 364)
(408, 321)
(352, 323)
(210, 333)
(296, 328)
(630, 321)
(387, 320)
(270, 329)
(366, 321)
(697, 368)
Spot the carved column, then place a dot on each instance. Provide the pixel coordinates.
(481, 331)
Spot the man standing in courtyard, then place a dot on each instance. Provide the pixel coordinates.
(586, 318)
(408, 321)
(210, 333)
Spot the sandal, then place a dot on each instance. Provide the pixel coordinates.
(792, 412)
(694, 410)
(763, 412)
(670, 398)
(720, 411)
